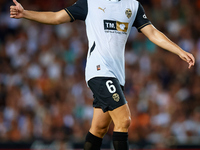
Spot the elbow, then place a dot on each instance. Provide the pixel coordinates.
(153, 35)
(152, 38)
(56, 20)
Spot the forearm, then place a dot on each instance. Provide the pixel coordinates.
(17, 12)
(162, 41)
(42, 17)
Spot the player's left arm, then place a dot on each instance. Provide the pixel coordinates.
(162, 41)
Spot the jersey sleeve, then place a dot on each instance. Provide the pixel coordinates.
(78, 11)
(141, 19)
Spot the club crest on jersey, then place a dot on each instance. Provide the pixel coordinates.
(116, 97)
(128, 13)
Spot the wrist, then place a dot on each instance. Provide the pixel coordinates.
(181, 53)
(24, 13)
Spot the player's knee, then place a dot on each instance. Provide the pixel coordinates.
(102, 130)
(123, 124)
(99, 130)
(126, 123)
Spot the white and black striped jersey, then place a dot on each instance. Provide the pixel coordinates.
(108, 24)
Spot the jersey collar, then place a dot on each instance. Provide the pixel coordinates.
(113, 0)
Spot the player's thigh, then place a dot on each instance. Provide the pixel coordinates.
(100, 122)
(121, 117)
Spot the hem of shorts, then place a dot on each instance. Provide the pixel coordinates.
(105, 110)
(118, 107)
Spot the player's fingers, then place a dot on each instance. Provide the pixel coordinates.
(185, 58)
(13, 7)
(192, 58)
(14, 1)
(13, 13)
(190, 62)
(190, 65)
(13, 10)
(12, 16)
(188, 59)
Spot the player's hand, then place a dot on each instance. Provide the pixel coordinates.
(189, 58)
(16, 11)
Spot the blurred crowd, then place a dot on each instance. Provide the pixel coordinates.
(43, 94)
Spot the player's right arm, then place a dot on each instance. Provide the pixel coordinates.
(54, 18)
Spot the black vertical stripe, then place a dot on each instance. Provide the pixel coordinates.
(92, 48)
